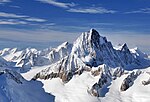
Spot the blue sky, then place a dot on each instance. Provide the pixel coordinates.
(50, 22)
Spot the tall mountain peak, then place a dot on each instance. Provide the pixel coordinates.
(125, 47)
(94, 32)
(94, 37)
(90, 40)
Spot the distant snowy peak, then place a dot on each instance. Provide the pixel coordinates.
(24, 58)
(63, 45)
(7, 51)
(60, 52)
(136, 51)
(31, 57)
(125, 48)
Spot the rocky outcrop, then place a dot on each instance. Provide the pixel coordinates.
(146, 82)
(64, 75)
(129, 80)
(118, 73)
(95, 90)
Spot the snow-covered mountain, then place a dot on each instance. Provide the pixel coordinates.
(30, 57)
(91, 50)
(89, 70)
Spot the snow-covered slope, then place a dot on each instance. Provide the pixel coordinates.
(3, 62)
(14, 88)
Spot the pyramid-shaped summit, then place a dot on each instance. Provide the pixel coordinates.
(94, 50)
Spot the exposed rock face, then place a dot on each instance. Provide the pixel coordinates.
(95, 90)
(126, 55)
(95, 38)
(129, 80)
(146, 82)
(118, 72)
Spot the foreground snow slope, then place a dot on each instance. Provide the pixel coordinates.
(14, 88)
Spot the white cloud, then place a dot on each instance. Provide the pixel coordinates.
(11, 22)
(36, 19)
(71, 7)
(11, 15)
(14, 6)
(92, 10)
(21, 17)
(4, 1)
(145, 10)
(58, 4)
